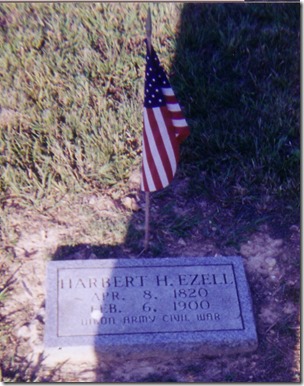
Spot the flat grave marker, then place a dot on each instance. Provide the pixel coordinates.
(145, 307)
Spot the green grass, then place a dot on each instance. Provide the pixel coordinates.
(72, 92)
(239, 66)
(71, 97)
(72, 84)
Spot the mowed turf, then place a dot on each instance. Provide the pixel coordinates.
(71, 95)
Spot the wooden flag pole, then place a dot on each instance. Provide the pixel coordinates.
(147, 209)
(147, 220)
(149, 29)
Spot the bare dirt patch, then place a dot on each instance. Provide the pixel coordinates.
(111, 225)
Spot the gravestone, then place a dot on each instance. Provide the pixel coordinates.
(132, 308)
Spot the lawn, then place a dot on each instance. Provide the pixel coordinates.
(72, 92)
(71, 101)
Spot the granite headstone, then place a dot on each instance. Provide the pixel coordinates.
(148, 307)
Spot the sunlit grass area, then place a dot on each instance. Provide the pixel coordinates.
(71, 93)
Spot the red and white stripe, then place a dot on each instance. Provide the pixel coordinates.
(178, 120)
(164, 129)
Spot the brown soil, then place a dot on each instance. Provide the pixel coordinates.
(271, 256)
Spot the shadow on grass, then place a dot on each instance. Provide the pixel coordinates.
(236, 71)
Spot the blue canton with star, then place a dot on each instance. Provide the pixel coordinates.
(155, 80)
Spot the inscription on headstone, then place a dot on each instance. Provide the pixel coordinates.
(145, 303)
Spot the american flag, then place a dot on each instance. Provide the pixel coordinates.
(165, 127)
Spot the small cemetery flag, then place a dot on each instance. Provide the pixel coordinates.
(165, 128)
